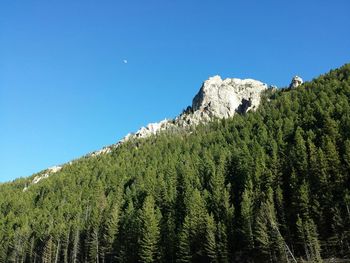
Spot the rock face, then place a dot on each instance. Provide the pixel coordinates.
(296, 82)
(223, 98)
(152, 128)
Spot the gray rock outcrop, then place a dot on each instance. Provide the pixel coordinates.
(223, 98)
(296, 82)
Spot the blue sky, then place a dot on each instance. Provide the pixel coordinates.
(65, 90)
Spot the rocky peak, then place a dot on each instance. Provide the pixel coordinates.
(223, 98)
(217, 98)
(296, 82)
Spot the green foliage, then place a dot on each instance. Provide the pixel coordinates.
(149, 242)
(267, 186)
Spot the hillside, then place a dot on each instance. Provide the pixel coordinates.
(266, 186)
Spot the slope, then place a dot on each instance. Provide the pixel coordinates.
(270, 185)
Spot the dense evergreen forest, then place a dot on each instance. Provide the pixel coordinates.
(268, 186)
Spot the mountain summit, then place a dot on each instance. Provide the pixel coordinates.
(216, 98)
(223, 98)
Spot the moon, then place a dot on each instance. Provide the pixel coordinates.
(125, 61)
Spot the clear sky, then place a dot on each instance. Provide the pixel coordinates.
(65, 89)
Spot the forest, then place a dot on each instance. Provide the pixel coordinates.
(267, 186)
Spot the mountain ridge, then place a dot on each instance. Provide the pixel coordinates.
(217, 98)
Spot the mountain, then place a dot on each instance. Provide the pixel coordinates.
(246, 174)
(216, 98)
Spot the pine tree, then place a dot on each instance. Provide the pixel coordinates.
(150, 235)
(333, 162)
(247, 217)
(222, 243)
(110, 230)
(184, 243)
(309, 239)
(128, 238)
(193, 230)
(300, 153)
(262, 235)
(210, 241)
(94, 245)
(94, 237)
(269, 241)
(346, 155)
(47, 251)
(169, 238)
(76, 245)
